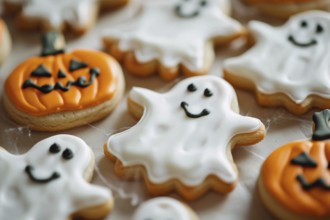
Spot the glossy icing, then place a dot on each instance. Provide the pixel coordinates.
(290, 59)
(25, 196)
(303, 190)
(87, 87)
(77, 13)
(192, 23)
(171, 145)
(162, 208)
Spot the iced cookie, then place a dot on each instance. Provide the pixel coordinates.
(172, 36)
(164, 208)
(184, 138)
(59, 90)
(54, 15)
(5, 41)
(50, 182)
(285, 8)
(288, 65)
(294, 182)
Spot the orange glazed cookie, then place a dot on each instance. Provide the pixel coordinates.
(59, 90)
(286, 8)
(295, 181)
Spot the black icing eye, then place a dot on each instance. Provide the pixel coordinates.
(304, 24)
(41, 71)
(203, 3)
(304, 160)
(319, 29)
(61, 74)
(55, 148)
(67, 154)
(207, 93)
(192, 88)
(76, 65)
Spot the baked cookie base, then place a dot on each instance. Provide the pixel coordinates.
(278, 209)
(69, 119)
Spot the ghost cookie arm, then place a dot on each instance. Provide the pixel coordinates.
(248, 130)
(140, 99)
(261, 30)
(92, 202)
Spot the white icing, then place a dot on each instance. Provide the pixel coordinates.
(171, 145)
(276, 65)
(162, 208)
(157, 32)
(23, 199)
(75, 12)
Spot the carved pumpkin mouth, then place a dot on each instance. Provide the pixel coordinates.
(318, 183)
(80, 82)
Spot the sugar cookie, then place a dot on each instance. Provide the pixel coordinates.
(184, 138)
(50, 182)
(288, 65)
(294, 182)
(5, 41)
(164, 208)
(172, 36)
(286, 8)
(59, 90)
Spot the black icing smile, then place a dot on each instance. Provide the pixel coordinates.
(29, 169)
(295, 42)
(310, 185)
(180, 13)
(80, 82)
(185, 105)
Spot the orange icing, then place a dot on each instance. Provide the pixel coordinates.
(279, 177)
(34, 102)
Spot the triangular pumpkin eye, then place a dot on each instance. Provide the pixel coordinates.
(41, 71)
(61, 74)
(76, 65)
(304, 160)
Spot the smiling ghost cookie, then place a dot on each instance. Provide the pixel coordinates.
(294, 182)
(184, 138)
(164, 208)
(50, 182)
(59, 90)
(286, 8)
(172, 36)
(54, 15)
(288, 65)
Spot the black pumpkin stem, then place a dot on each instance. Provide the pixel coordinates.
(52, 43)
(322, 128)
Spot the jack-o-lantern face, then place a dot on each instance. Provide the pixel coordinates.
(57, 81)
(297, 175)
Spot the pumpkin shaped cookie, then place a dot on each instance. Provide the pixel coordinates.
(295, 180)
(59, 90)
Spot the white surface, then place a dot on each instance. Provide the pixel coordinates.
(242, 203)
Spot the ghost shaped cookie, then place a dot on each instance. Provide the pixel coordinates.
(286, 8)
(172, 36)
(164, 208)
(288, 65)
(59, 90)
(294, 182)
(50, 182)
(58, 15)
(184, 138)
